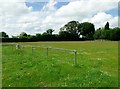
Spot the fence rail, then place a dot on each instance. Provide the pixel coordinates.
(18, 46)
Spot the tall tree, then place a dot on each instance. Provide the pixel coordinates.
(87, 30)
(3, 35)
(50, 31)
(115, 34)
(71, 27)
(70, 30)
(23, 35)
(107, 26)
(64, 35)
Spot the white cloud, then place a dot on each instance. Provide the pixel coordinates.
(84, 10)
(16, 17)
(10, 14)
(114, 22)
(100, 19)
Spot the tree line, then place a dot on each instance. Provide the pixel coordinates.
(72, 31)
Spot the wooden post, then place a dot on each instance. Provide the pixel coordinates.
(75, 57)
(17, 46)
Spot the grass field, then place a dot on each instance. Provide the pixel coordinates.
(97, 65)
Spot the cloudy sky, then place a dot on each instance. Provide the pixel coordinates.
(36, 16)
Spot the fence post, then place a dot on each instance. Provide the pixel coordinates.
(47, 52)
(17, 46)
(75, 57)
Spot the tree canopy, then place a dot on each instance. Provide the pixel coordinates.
(87, 30)
(3, 35)
(49, 31)
(71, 31)
(107, 26)
(70, 27)
(76, 29)
(23, 35)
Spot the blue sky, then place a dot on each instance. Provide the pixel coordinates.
(113, 12)
(37, 6)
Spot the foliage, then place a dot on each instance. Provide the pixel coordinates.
(72, 31)
(111, 34)
(75, 29)
(87, 30)
(3, 35)
(50, 31)
(69, 31)
(70, 27)
(23, 35)
(107, 26)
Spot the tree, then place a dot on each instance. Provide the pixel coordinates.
(105, 34)
(23, 35)
(76, 29)
(87, 30)
(70, 27)
(64, 35)
(3, 35)
(97, 34)
(70, 30)
(44, 34)
(50, 31)
(107, 26)
(111, 34)
(115, 34)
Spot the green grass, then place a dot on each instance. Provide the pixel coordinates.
(97, 65)
(0, 65)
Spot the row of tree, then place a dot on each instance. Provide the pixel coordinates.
(108, 34)
(72, 31)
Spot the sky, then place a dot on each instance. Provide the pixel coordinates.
(36, 16)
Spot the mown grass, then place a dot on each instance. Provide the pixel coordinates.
(0, 65)
(97, 65)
